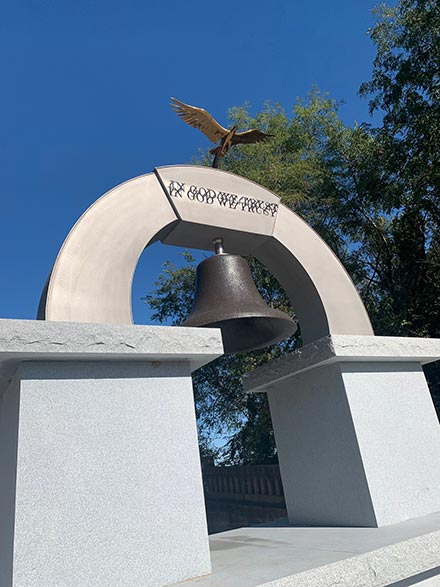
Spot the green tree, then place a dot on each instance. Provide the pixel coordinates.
(405, 89)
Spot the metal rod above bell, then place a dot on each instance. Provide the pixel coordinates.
(227, 298)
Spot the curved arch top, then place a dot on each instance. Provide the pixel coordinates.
(189, 206)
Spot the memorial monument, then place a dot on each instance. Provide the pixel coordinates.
(100, 473)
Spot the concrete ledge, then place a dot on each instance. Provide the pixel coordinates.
(36, 340)
(337, 348)
(398, 555)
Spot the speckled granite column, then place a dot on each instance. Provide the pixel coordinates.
(108, 480)
(100, 481)
(357, 435)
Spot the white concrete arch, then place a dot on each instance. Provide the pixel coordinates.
(188, 206)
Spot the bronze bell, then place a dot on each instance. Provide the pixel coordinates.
(227, 298)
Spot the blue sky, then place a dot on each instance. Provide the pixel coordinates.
(85, 93)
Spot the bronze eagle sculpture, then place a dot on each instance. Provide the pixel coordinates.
(201, 119)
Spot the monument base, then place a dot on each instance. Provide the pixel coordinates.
(400, 555)
(100, 480)
(357, 435)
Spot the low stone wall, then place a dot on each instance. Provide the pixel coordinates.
(240, 496)
(252, 484)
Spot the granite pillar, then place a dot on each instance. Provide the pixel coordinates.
(100, 474)
(357, 435)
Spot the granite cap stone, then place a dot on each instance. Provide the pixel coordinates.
(343, 348)
(36, 340)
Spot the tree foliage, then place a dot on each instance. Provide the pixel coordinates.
(405, 88)
(373, 194)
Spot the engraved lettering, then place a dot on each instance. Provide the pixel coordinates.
(176, 189)
(203, 195)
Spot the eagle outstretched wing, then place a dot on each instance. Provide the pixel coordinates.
(199, 118)
(250, 136)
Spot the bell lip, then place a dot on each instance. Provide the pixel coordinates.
(210, 317)
(290, 327)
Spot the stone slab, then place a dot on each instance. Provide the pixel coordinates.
(35, 340)
(400, 555)
(337, 348)
(108, 488)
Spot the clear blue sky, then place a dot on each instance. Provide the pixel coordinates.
(85, 92)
